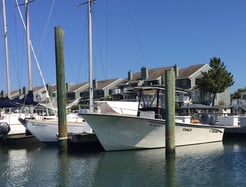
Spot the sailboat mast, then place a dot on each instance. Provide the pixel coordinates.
(28, 45)
(6, 48)
(90, 55)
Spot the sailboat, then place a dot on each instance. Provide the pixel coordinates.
(8, 104)
(46, 130)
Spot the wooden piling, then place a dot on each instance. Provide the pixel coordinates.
(170, 112)
(60, 82)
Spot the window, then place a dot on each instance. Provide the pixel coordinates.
(244, 97)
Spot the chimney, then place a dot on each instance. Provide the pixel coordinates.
(144, 73)
(176, 70)
(67, 87)
(2, 94)
(49, 89)
(24, 90)
(130, 75)
(163, 80)
(94, 84)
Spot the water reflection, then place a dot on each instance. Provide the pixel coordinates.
(15, 163)
(16, 168)
(77, 169)
(171, 177)
(236, 160)
(46, 166)
(63, 169)
(130, 168)
(153, 168)
(199, 165)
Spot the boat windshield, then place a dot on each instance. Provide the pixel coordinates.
(152, 101)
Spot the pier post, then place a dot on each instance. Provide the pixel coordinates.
(60, 82)
(170, 112)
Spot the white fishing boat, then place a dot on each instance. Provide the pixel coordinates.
(147, 129)
(117, 131)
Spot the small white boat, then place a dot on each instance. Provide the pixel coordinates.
(46, 130)
(147, 129)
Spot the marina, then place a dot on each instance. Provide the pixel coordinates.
(140, 140)
(148, 135)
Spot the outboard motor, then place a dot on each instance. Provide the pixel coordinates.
(207, 119)
(4, 129)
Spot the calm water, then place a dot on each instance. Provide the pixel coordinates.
(216, 164)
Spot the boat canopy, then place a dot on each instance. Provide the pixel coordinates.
(27, 100)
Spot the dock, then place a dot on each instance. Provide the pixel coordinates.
(21, 141)
(235, 126)
(234, 131)
(84, 142)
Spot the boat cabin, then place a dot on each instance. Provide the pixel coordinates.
(152, 101)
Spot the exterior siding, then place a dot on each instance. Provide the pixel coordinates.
(186, 79)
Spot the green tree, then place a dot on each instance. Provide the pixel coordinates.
(217, 79)
(237, 94)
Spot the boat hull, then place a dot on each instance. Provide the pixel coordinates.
(47, 130)
(125, 132)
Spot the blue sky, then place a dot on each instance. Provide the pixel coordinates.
(127, 35)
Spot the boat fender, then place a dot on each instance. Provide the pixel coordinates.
(4, 129)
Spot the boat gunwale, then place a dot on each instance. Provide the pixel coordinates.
(52, 121)
(197, 125)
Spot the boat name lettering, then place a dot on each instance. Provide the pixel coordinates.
(155, 125)
(187, 129)
(36, 124)
(214, 131)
